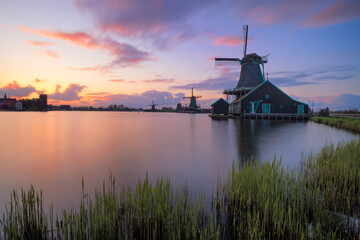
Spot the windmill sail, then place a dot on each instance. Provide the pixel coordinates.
(227, 62)
(245, 31)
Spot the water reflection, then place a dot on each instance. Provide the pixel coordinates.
(55, 150)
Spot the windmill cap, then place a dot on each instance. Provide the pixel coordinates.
(251, 57)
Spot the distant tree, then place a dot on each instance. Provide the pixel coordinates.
(10, 106)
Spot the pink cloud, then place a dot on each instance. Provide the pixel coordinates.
(125, 54)
(337, 12)
(228, 41)
(341, 101)
(71, 93)
(98, 93)
(15, 90)
(51, 53)
(117, 80)
(37, 80)
(39, 43)
(77, 38)
(101, 69)
(159, 80)
(211, 59)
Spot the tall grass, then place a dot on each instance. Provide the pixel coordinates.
(317, 200)
(352, 124)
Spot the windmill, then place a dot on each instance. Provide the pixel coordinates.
(153, 106)
(252, 69)
(192, 105)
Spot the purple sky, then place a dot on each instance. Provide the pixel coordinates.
(87, 52)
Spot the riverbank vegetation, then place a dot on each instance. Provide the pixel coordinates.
(352, 124)
(317, 200)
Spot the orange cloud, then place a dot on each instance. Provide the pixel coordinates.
(117, 80)
(51, 53)
(78, 38)
(39, 43)
(228, 41)
(159, 80)
(101, 69)
(37, 80)
(71, 93)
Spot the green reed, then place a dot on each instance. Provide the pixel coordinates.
(352, 124)
(317, 200)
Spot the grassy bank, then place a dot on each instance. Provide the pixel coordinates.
(318, 200)
(352, 124)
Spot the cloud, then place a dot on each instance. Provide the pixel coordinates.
(162, 22)
(336, 12)
(228, 41)
(15, 90)
(163, 98)
(100, 68)
(211, 59)
(160, 80)
(124, 54)
(37, 80)
(39, 43)
(117, 80)
(227, 78)
(335, 102)
(51, 53)
(165, 24)
(321, 74)
(69, 94)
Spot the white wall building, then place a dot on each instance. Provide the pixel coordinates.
(19, 106)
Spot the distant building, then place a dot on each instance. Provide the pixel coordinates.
(178, 107)
(42, 102)
(35, 104)
(18, 106)
(220, 107)
(324, 112)
(65, 107)
(7, 103)
(167, 109)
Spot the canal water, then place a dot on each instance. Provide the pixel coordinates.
(54, 150)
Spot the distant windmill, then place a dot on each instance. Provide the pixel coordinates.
(252, 69)
(153, 106)
(192, 100)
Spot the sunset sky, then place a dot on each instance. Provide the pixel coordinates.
(87, 52)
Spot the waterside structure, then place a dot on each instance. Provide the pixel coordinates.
(35, 104)
(255, 96)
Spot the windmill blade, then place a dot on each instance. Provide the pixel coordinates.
(199, 97)
(227, 62)
(265, 58)
(245, 31)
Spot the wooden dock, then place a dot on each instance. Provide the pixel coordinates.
(276, 116)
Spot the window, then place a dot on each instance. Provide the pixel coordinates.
(267, 96)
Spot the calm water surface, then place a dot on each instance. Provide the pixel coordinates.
(55, 150)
